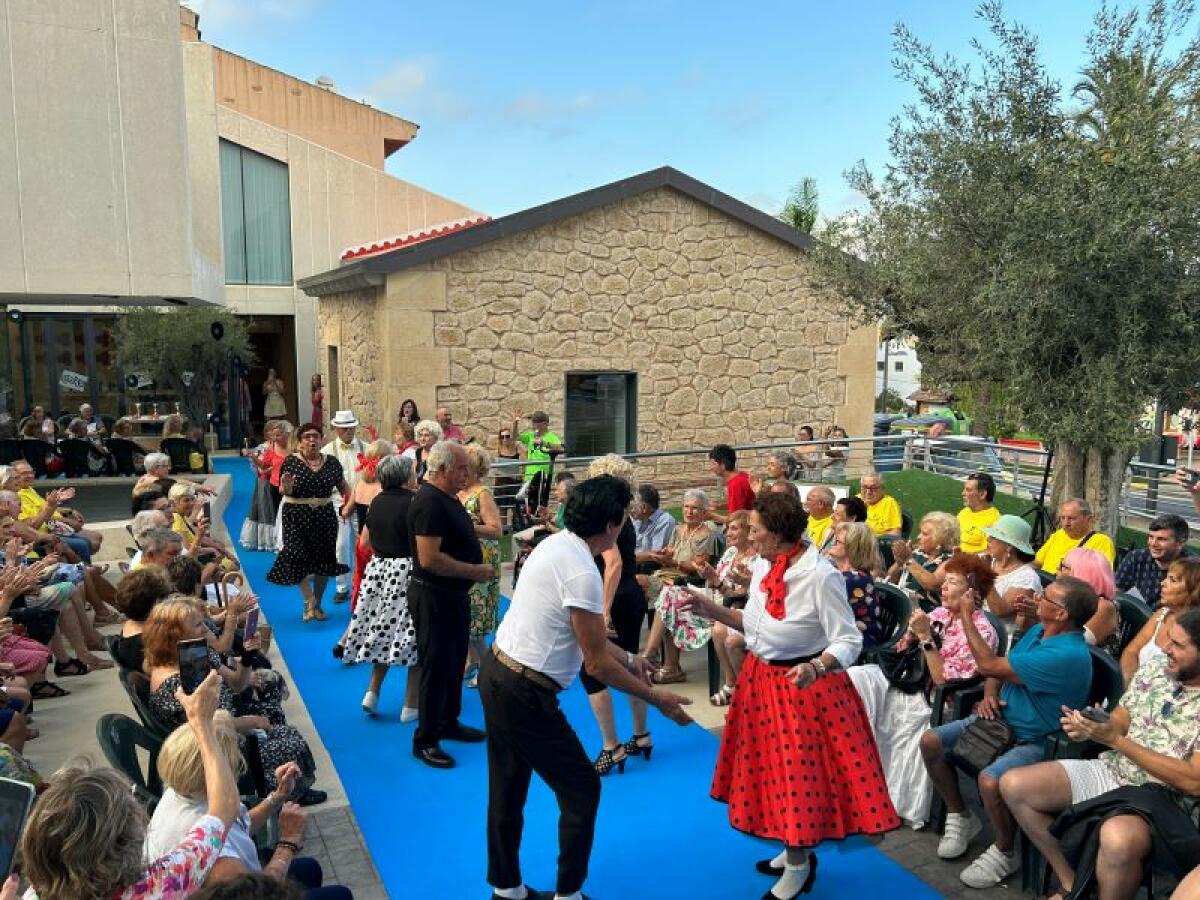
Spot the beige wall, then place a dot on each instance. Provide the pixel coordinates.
(94, 195)
(716, 318)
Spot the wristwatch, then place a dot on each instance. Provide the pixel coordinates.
(928, 645)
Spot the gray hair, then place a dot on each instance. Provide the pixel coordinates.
(158, 539)
(429, 425)
(1085, 508)
(145, 522)
(394, 472)
(8, 496)
(441, 456)
(782, 457)
(154, 460)
(821, 491)
(696, 495)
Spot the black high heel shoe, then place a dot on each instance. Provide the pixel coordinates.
(766, 868)
(635, 747)
(607, 759)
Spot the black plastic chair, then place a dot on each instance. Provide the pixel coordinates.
(906, 524)
(127, 455)
(137, 686)
(1134, 615)
(120, 737)
(10, 451)
(894, 611)
(82, 459)
(180, 451)
(39, 455)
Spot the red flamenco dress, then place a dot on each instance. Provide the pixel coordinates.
(800, 766)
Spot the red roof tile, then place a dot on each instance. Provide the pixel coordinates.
(412, 237)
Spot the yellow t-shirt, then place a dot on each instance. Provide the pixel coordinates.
(884, 516)
(818, 529)
(971, 525)
(1060, 543)
(31, 506)
(183, 528)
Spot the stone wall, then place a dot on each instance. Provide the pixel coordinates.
(349, 322)
(728, 339)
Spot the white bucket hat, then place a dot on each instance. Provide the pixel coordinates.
(344, 418)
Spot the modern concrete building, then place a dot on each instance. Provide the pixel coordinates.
(652, 313)
(141, 165)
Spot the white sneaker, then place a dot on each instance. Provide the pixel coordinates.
(370, 701)
(408, 714)
(990, 868)
(960, 828)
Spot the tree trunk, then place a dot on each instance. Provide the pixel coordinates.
(982, 424)
(1094, 474)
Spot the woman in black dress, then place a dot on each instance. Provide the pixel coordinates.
(310, 525)
(624, 609)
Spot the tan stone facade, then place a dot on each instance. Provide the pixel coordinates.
(728, 340)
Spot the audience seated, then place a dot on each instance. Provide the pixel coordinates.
(1048, 669)
(1142, 571)
(729, 580)
(808, 458)
(653, 527)
(883, 512)
(855, 553)
(1151, 737)
(99, 458)
(977, 513)
(1092, 566)
(819, 506)
(849, 509)
(254, 699)
(899, 717)
(779, 466)
(47, 514)
(1075, 530)
(159, 547)
(184, 804)
(920, 570)
(1017, 584)
(84, 837)
(157, 477)
(190, 523)
(1180, 591)
(693, 545)
(137, 594)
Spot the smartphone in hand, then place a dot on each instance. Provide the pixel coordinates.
(1095, 713)
(193, 663)
(250, 632)
(16, 799)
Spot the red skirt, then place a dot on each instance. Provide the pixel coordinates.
(362, 556)
(800, 766)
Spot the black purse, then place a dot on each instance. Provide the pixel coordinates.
(905, 670)
(983, 742)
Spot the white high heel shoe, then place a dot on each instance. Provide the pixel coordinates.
(369, 702)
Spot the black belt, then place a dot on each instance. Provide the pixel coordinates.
(789, 663)
(541, 680)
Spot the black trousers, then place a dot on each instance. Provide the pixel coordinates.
(527, 733)
(442, 620)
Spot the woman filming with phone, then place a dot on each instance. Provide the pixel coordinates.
(175, 653)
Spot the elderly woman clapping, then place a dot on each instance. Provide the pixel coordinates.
(918, 570)
(84, 838)
(693, 546)
(184, 804)
(428, 433)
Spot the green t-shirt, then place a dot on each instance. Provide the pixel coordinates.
(537, 453)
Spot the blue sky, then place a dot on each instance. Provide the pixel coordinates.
(522, 102)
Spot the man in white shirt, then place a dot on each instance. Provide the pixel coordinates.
(346, 449)
(555, 623)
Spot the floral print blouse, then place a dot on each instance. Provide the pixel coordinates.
(860, 591)
(957, 661)
(180, 873)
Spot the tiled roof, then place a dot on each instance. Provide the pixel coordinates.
(412, 237)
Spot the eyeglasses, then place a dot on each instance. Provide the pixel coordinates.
(505, 435)
(1046, 597)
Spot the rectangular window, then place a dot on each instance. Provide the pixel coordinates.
(900, 366)
(880, 365)
(256, 219)
(601, 413)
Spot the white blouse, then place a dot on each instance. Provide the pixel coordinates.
(817, 616)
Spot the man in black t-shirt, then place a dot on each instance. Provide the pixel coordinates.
(447, 558)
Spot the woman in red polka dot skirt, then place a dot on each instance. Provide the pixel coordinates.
(797, 762)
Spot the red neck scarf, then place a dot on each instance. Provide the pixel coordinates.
(772, 583)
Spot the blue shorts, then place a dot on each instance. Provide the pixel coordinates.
(1020, 755)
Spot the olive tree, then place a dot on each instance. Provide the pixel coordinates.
(1041, 244)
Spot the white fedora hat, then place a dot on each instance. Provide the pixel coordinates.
(344, 418)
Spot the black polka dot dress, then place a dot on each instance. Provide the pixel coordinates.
(800, 766)
(309, 532)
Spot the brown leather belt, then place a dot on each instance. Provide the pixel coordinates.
(542, 681)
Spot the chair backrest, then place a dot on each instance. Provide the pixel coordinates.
(1001, 632)
(137, 686)
(10, 451)
(76, 453)
(126, 454)
(1134, 614)
(119, 738)
(180, 451)
(906, 523)
(894, 611)
(1045, 577)
(1108, 684)
(37, 453)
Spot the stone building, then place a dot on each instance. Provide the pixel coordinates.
(651, 313)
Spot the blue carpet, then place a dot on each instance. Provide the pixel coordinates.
(658, 834)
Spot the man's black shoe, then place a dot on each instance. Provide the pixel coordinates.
(531, 894)
(434, 756)
(464, 733)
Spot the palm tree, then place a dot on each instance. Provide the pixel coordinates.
(800, 211)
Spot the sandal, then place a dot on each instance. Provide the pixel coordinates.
(99, 663)
(723, 696)
(98, 569)
(640, 745)
(319, 614)
(69, 668)
(47, 690)
(669, 676)
(608, 758)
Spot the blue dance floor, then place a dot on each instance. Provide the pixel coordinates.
(658, 834)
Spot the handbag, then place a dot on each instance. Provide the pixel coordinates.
(981, 744)
(905, 670)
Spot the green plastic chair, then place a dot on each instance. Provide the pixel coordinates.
(120, 737)
(1134, 614)
(894, 611)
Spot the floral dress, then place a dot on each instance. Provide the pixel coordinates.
(484, 595)
(181, 872)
